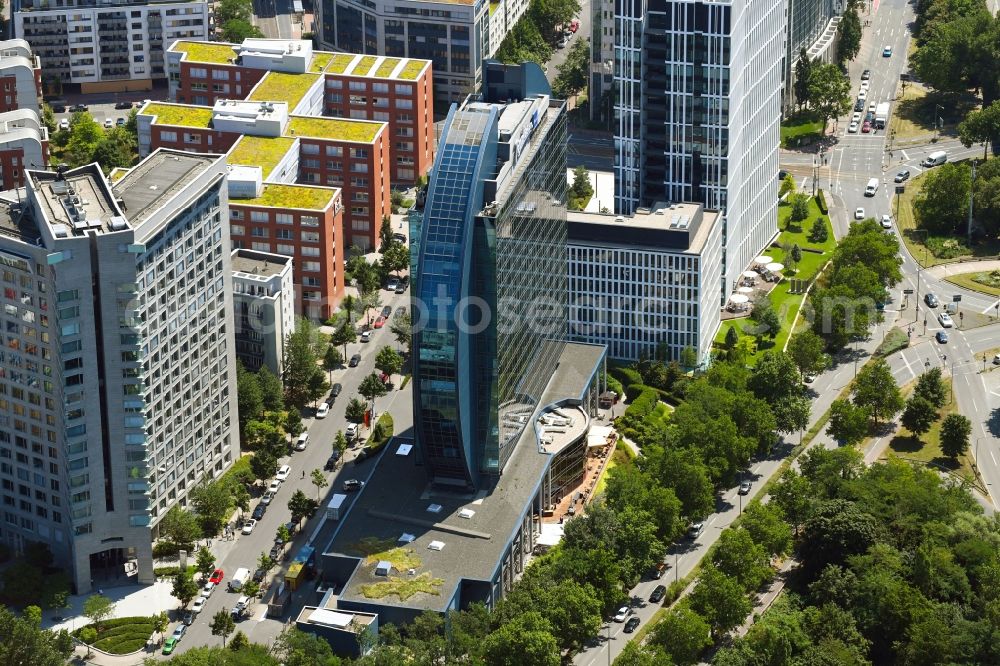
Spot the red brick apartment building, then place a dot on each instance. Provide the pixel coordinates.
(20, 76)
(396, 91)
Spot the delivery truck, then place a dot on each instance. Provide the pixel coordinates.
(336, 506)
(881, 115)
(241, 576)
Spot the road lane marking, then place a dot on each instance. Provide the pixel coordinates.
(991, 306)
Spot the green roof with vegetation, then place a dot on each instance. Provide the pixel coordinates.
(385, 69)
(206, 52)
(291, 196)
(339, 62)
(118, 173)
(412, 69)
(363, 131)
(262, 151)
(364, 66)
(320, 61)
(182, 115)
(282, 87)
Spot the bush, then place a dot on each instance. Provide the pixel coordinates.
(615, 385)
(821, 202)
(820, 232)
(172, 571)
(168, 549)
(625, 375)
(944, 247)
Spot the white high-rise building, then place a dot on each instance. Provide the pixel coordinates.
(697, 111)
(117, 373)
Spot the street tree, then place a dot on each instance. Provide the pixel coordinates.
(355, 411)
(367, 279)
(223, 625)
(526, 639)
(792, 493)
(340, 442)
(767, 321)
(829, 91)
(371, 387)
(848, 423)
(683, 635)
(160, 622)
(228, 10)
(955, 431)
(211, 501)
(800, 207)
(737, 555)
(299, 363)
(84, 136)
(179, 526)
(332, 359)
(343, 335)
(919, 415)
(249, 399)
(317, 386)
(803, 70)
(266, 436)
(957, 55)
(283, 533)
(395, 257)
(720, 600)
(240, 641)
(806, 351)
(319, 480)
(185, 589)
(264, 465)
(402, 329)
(389, 361)
(574, 71)
(930, 386)
(237, 30)
(787, 184)
(942, 204)
(300, 506)
(270, 390)
(981, 126)
(205, 562)
(835, 531)
(298, 648)
(88, 636)
(241, 498)
(251, 588)
(875, 388)
(98, 608)
(347, 308)
(767, 526)
(849, 36)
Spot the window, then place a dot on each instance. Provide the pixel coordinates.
(309, 221)
(220, 74)
(402, 89)
(198, 73)
(358, 86)
(284, 218)
(308, 251)
(358, 153)
(334, 151)
(170, 137)
(236, 230)
(235, 214)
(360, 225)
(310, 236)
(259, 232)
(404, 103)
(334, 83)
(287, 250)
(258, 216)
(310, 266)
(380, 87)
(261, 247)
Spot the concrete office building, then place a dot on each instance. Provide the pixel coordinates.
(24, 144)
(502, 403)
(20, 76)
(812, 25)
(264, 305)
(87, 47)
(396, 91)
(108, 292)
(647, 282)
(456, 35)
(697, 112)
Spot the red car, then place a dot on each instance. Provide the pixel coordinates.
(217, 577)
(380, 322)
(574, 25)
(867, 127)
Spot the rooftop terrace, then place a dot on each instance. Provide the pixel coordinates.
(283, 87)
(181, 115)
(362, 131)
(303, 197)
(263, 151)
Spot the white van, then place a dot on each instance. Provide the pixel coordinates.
(241, 576)
(871, 188)
(302, 442)
(936, 158)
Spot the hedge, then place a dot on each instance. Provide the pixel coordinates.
(821, 202)
(121, 635)
(625, 375)
(165, 549)
(172, 571)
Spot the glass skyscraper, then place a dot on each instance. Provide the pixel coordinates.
(489, 304)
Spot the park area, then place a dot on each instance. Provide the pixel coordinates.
(784, 301)
(122, 635)
(801, 130)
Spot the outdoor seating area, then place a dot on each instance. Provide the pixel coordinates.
(760, 278)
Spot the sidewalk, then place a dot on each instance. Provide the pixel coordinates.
(959, 267)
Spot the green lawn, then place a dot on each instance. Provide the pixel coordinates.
(966, 280)
(800, 130)
(122, 635)
(620, 456)
(785, 303)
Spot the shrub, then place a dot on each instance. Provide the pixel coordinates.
(821, 202)
(625, 375)
(819, 233)
(944, 247)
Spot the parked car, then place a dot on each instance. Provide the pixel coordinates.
(859, 105)
(64, 124)
(207, 589)
(302, 442)
(188, 618)
(351, 432)
(78, 107)
(169, 645)
(866, 127)
(695, 530)
(259, 575)
(331, 462)
(276, 552)
(853, 127)
(658, 570)
(353, 363)
(58, 108)
(399, 238)
(870, 116)
(266, 498)
(366, 336)
(273, 488)
(387, 311)
(862, 95)
(886, 51)
(198, 605)
(859, 214)
(745, 488)
(622, 614)
(335, 390)
(902, 176)
(945, 320)
(217, 576)
(108, 123)
(249, 525)
(886, 221)
(865, 75)
(179, 631)
(283, 472)
(380, 322)
(659, 592)
(942, 337)
(401, 288)
(632, 624)
(322, 411)
(392, 284)
(563, 41)
(931, 300)
(865, 85)
(259, 511)
(353, 484)
(123, 105)
(120, 122)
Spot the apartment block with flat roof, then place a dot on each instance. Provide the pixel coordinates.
(24, 144)
(342, 85)
(100, 47)
(20, 76)
(264, 306)
(109, 291)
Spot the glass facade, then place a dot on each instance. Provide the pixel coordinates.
(489, 305)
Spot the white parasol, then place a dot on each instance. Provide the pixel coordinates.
(738, 298)
(775, 267)
(745, 290)
(763, 259)
(750, 274)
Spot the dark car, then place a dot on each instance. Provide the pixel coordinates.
(120, 122)
(931, 300)
(259, 575)
(782, 174)
(902, 176)
(123, 105)
(399, 311)
(78, 107)
(331, 462)
(865, 75)
(744, 488)
(353, 484)
(276, 551)
(659, 592)
(386, 311)
(859, 105)
(188, 618)
(336, 389)
(401, 288)
(58, 108)
(631, 624)
(258, 511)
(870, 117)
(353, 363)
(399, 238)
(942, 337)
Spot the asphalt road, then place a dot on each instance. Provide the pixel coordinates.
(273, 17)
(583, 32)
(245, 549)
